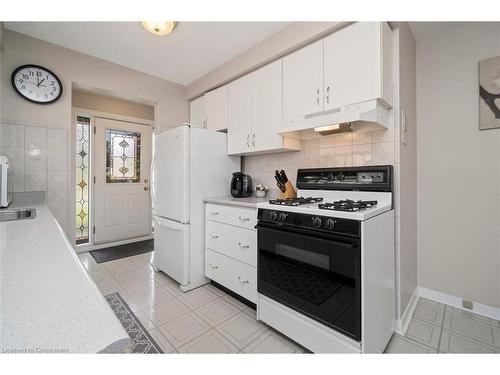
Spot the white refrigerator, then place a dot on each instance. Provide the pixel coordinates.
(190, 164)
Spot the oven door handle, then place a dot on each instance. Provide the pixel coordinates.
(351, 243)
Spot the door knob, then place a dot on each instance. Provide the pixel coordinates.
(146, 188)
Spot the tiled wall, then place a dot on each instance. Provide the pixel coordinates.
(38, 157)
(340, 150)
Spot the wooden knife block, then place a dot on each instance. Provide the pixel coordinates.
(289, 191)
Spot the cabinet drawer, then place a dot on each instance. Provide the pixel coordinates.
(236, 276)
(240, 217)
(237, 243)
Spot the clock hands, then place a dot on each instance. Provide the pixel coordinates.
(38, 85)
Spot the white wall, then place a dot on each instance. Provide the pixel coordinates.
(74, 68)
(109, 104)
(406, 189)
(458, 167)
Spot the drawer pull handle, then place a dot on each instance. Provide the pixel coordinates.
(243, 218)
(242, 281)
(214, 236)
(243, 246)
(214, 266)
(214, 212)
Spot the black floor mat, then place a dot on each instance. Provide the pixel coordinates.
(122, 251)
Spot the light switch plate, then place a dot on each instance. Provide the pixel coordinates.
(404, 127)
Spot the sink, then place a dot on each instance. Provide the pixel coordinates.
(17, 214)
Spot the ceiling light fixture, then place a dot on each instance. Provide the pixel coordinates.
(159, 27)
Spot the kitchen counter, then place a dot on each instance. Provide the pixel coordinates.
(48, 302)
(250, 202)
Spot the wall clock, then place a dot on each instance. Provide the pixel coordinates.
(36, 84)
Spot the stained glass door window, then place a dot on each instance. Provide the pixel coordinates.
(123, 156)
(82, 179)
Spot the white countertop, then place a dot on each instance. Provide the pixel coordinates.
(48, 302)
(250, 202)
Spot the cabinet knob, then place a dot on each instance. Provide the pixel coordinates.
(214, 266)
(253, 140)
(214, 213)
(242, 280)
(243, 218)
(214, 236)
(248, 140)
(243, 246)
(205, 123)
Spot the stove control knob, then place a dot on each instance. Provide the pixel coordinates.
(273, 215)
(330, 224)
(283, 217)
(316, 221)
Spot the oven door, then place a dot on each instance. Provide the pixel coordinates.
(316, 274)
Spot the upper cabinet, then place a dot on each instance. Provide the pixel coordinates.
(255, 113)
(352, 65)
(197, 116)
(303, 82)
(358, 65)
(239, 113)
(216, 109)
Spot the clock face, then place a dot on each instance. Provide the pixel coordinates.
(36, 84)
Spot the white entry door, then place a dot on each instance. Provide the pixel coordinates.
(122, 202)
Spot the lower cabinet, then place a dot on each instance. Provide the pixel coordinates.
(231, 249)
(234, 275)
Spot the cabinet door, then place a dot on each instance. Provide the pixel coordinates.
(197, 112)
(239, 105)
(303, 82)
(352, 65)
(267, 107)
(216, 108)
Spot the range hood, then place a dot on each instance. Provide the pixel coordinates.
(369, 115)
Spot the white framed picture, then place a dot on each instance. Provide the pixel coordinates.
(489, 93)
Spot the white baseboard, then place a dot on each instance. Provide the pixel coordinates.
(402, 324)
(447, 299)
(478, 308)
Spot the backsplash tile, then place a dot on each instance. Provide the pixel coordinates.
(57, 180)
(57, 159)
(39, 162)
(336, 150)
(35, 137)
(15, 156)
(342, 156)
(35, 180)
(11, 135)
(56, 139)
(35, 158)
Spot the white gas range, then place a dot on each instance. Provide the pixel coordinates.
(326, 260)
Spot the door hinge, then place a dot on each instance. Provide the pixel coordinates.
(94, 129)
(94, 179)
(93, 230)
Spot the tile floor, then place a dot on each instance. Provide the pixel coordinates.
(439, 328)
(207, 320)
(204, 320)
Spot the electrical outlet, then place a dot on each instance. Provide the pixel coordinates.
(467, 304)
(403, 127)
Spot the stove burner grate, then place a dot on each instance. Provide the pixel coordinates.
(347, 205)
(295, 201)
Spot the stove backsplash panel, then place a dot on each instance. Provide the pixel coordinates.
(336, 150)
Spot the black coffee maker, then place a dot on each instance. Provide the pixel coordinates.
(241, 185)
